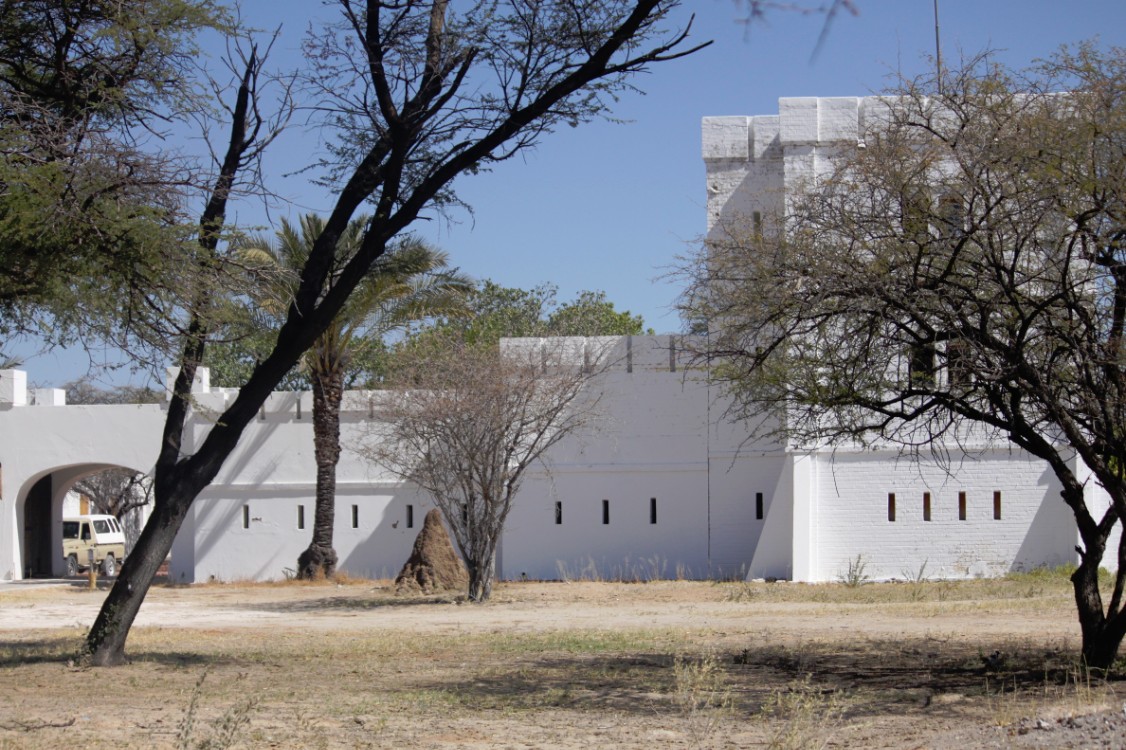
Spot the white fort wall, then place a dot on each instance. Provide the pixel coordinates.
(723, 508)
(875, 506)
(754, 162)
(639, 495)
(258, 514)
(44, 448)
(652, 444)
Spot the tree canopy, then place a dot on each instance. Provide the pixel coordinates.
(496, 312)
(90, 205)
(410, 96)
(409, 282)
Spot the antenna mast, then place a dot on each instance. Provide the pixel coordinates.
(937, 48)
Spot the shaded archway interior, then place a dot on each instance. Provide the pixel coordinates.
(42, 514)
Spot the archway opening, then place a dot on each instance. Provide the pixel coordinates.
(72, 491)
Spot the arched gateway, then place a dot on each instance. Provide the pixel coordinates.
(44, 450)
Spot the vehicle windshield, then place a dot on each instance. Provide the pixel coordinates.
(70, 529)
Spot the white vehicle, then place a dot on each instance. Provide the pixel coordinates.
(102, 534)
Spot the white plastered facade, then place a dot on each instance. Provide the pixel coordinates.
(663, 486)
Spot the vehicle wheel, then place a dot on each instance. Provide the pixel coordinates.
(71, 565)
(109, 566)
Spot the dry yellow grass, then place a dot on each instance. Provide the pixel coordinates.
(663, 664)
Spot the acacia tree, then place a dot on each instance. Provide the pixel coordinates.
(409, 282)
(89, 208)
(417, 93)
(464, 422)
(961, 276)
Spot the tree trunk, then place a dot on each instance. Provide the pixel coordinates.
(481, 575)
(1102, 636)
(105, 643)
(319, 559)
(1102, 626)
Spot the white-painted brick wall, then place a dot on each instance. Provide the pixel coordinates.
(726, 137)
(852, 515)
(798, 120)
(838, 119)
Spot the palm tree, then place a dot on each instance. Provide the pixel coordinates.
(408, 283)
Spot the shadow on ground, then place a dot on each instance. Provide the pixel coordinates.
(336, 604)
(941, 678)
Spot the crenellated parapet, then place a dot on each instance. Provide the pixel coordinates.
(14, 392)
(801, 121)
(754, 162)
(607, 354)
(604, 354)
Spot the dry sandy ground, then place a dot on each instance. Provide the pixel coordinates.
(560, 665)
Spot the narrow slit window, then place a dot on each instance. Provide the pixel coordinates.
(961, 506)
(246, 516)
(410, 516)
(652, 510)
(355, 516)
(300, 516)
(558, 512)
(920, 373)
(465, 513)
(997, 505)
(891, 507)
(926, 506)
(758, 506)
(605, 512)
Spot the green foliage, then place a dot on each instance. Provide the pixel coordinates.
(106, 63)
(75, 242)
(497, 312)
(409, 282)
(591, 314)
(238, 348)
(88, 217)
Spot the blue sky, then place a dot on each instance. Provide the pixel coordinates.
(610, 206)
